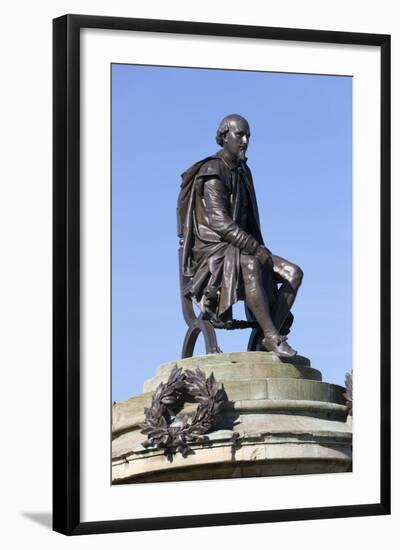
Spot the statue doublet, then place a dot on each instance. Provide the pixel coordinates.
(222, 221)
(222, 204)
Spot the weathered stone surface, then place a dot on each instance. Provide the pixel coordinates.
(272, 425)
(236, 469)
(239, 366)
(260, 455)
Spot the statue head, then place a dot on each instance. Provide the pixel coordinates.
(233, 135)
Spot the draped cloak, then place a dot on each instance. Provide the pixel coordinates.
(217, 220)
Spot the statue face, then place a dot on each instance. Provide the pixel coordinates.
(236, 140)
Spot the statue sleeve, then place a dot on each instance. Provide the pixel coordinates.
(216, 200)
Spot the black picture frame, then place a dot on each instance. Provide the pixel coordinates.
(66, 273)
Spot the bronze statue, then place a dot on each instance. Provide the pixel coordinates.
(223, 255)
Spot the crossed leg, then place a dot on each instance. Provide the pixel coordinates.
(270, 307)
(290, 276)
(257, 296)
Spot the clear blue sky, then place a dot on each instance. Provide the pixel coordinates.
(163, 120)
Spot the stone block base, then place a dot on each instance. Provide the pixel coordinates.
(281, 419)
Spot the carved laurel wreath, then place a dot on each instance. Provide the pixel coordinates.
(169, 399)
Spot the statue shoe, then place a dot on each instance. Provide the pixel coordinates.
(277, 343)
(285, 350)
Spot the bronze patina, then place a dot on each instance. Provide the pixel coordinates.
(223, 256)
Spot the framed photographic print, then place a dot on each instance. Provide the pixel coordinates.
(221, 274)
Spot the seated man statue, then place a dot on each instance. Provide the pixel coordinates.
(224, 257)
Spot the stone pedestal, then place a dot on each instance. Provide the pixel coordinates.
(281, 419)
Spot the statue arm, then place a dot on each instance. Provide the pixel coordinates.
(216, 202)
